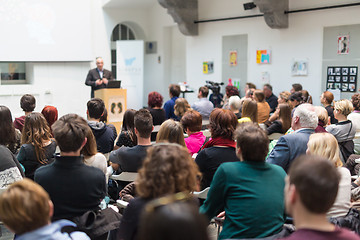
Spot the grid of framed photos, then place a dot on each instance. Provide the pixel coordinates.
(343, 78)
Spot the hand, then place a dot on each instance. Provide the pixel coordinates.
(105, 81)
(98, 82)
(221, 216)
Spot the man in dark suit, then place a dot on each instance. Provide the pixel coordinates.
(98, 77)
(292, 145)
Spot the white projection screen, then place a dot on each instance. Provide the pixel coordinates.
(45, 30)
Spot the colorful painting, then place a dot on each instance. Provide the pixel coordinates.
(263, 56)
(233, 58)
(208, 67)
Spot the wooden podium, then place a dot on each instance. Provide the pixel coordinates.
(115, 104)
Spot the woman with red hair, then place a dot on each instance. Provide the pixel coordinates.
(51, 114)
(155, 101)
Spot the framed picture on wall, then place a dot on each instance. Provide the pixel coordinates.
(342, 78)
(343, 44)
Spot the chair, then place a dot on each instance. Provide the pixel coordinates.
(125, 176)
(202, 194)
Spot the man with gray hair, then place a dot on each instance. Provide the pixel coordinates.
(98, 77)
(290, 146)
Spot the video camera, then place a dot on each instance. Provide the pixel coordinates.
(214, 86)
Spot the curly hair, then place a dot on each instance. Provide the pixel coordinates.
(231, 91)
(355, 99)
(168, 168)
(155, 100)
(181, 107)
(222, 123)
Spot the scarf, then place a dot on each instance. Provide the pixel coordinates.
(220, 141)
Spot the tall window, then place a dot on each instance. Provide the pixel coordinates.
(120, 32)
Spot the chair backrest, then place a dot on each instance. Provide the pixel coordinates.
(125, 176)
(275, 136)
(202, 194)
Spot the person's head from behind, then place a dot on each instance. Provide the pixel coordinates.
(222, 123)
(285, 115)
(311, 186)
(296, 87)
(249, 109)
(181, 107)
(323, 116)
(171, 131)
(304, 117)
(327, 98)
(342, 108)
(27, 103)
(259, 95)
(51, 114)
(203, 92)
(155, 100)
(191, 121)
(231, 91)
(168, 168)
(355, 100)
(170, 218)
(7, 129)
(295, 99)
(252, 143)
(235, 103)
(95, 108)
(90, 147)
(284, 97)
(267, 89)
(25, 206)
(70, 133)
(306, 97)
(324, 145)
(174, 90)
(128, 120)
(143, 123)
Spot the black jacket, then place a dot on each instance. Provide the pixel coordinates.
(94, 75)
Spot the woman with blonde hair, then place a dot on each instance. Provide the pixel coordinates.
(325, 145)
(262, 106)
(181, 107)
(172, 132)
(37, 147)
(167, 169)
(249, 111)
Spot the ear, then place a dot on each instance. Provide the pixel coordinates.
(51, 209)
(83, 143)
(296, 120)
(239, 153)
(292, 194)
(137, 132)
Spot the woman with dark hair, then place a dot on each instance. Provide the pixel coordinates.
(167, 169)
(221, 148)
(354, 117)
(326, 99)
(306, 96)
(37, 147)
(127, 136)
(51, 114)
(284, 122)
(262, 106)
(27, 104)
(155, 101)
(9, 136)
(249, 111)
(172, 132)
(229, 91)
(192, 122)
(295, 100)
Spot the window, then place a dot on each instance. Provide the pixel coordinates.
(12, 72)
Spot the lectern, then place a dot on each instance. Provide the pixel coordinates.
(115, 104)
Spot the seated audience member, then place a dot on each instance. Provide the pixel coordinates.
(174, 93)
(104, 119)
(191, 123)
(284, 122)
(203, 105)
(354, 117)
(323, 119)
(51, 114)
(26, 209)
(130, 159)
(325, 145)
(27, 104)
(295, 100)
(249, 92)
(173, 217)
(37, 147)
(221, 148)
(306, 97)
(73, 187)
(270, 98)
(229, 91)
(155, 101)
(254, 206)
(310, 191)
(262, 106)
(181, 107)
(235, 104)
(326, 100)
(249, 112)
(293, 145)
(344, 131)
(296, 87)
(127, 137)
(10, 169)
(9, 136)
(172, 132)
(104, 135)
(283, 98)
(167, 169)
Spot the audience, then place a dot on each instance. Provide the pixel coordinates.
(284, 97)
(181, 107)
(191, 123)
(9, 136)
(221, 148)
(155, 101)
(172, 132)
(292, 145)
(325, 145)
(263, 108)
(326, 99)
(10, 169)
(167, 169)
(37, 147)
(296, 87)
(249, 111)
(295, 100)
(354, 117)
(51, 114)
(284, 122)
(229, 91)
(27, 104)
(250, 190)
(174, 93)
(270, 98)
(73, 187)
(104, 135)
(26, 209)
(235, 104)
(323, 119)
(203, 105)
(310, 191)
(127, 137)
(306, 97)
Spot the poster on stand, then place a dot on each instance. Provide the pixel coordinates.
(342, 78)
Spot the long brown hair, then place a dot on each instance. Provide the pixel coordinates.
(285, 116)
(7, 129)
(171, 131)
(90, 148)
(36, 131)
(249, 109)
